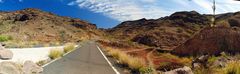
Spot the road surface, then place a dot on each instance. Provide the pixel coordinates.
(84, 60)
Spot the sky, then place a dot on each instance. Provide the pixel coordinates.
(109, 13)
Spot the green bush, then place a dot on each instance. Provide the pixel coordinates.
(146, 70)
(4, 38)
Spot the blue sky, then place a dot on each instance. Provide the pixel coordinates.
(109, 13)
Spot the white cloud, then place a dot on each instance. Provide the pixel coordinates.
(205, 4)
(149, 1)
(123, 10)
(71, 3)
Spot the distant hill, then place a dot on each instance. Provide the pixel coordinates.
(36, 25)
(185, 33)
(166, 33)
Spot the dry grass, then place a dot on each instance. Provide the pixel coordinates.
(114, 53)
(232, 67)
(41, 62)
(55, 53)
(183, 60)
(68, 47)
(134, 63)
(124, 58)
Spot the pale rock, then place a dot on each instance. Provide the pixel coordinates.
(6, 54)
(184, 70)
(10, 68)
(30, 67)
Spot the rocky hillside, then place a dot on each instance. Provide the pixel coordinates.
(211, 40)
(166, 33)
(36, 25)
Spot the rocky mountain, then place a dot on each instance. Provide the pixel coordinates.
(211, 40)
(166, 33)
(214, 40)
(36, 25)
(184, 33)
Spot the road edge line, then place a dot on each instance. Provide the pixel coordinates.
(60, 57)
(115, 70)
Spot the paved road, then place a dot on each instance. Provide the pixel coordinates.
(85, 60)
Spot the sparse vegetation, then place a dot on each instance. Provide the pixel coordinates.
(203, 71)
(212, 59)
(4, 38)
(179, 30)
(232, 67)
(146, 70)
(68, 47)
(41, 63)
(29, 44)
(133, 63)
(55, 53)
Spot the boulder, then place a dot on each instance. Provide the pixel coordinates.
(196, 65)
(201, 61)
(184, 70)
(6, 54)
(1, 46)
(222, 61)
(30, 67)
(10, 68)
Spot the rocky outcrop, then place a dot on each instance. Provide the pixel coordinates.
(1, 46)
(184, 70)
(200, 62)
(36, 25)
(5, 54)
(10, 68)
(211, 40)
(166, 33)
(30, 67)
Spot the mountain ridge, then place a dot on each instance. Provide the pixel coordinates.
(36, 25)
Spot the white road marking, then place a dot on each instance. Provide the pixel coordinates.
(77, 46)
(108, 61)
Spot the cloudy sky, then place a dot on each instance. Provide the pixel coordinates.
(109, 13)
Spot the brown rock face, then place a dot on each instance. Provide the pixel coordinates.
(211, 40)
(167, 32)
(36, 25)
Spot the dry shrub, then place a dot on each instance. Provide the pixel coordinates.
(68, 47)
(55, 53)
(134, 63)
(115, 53)
(124, 58)
(232, 67)
(170, 62)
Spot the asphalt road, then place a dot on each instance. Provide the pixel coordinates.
(84, 60)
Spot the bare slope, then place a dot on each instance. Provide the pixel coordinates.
(36, 25)
(166, 33)
(212, 40)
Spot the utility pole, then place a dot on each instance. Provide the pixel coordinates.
(214, 13)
